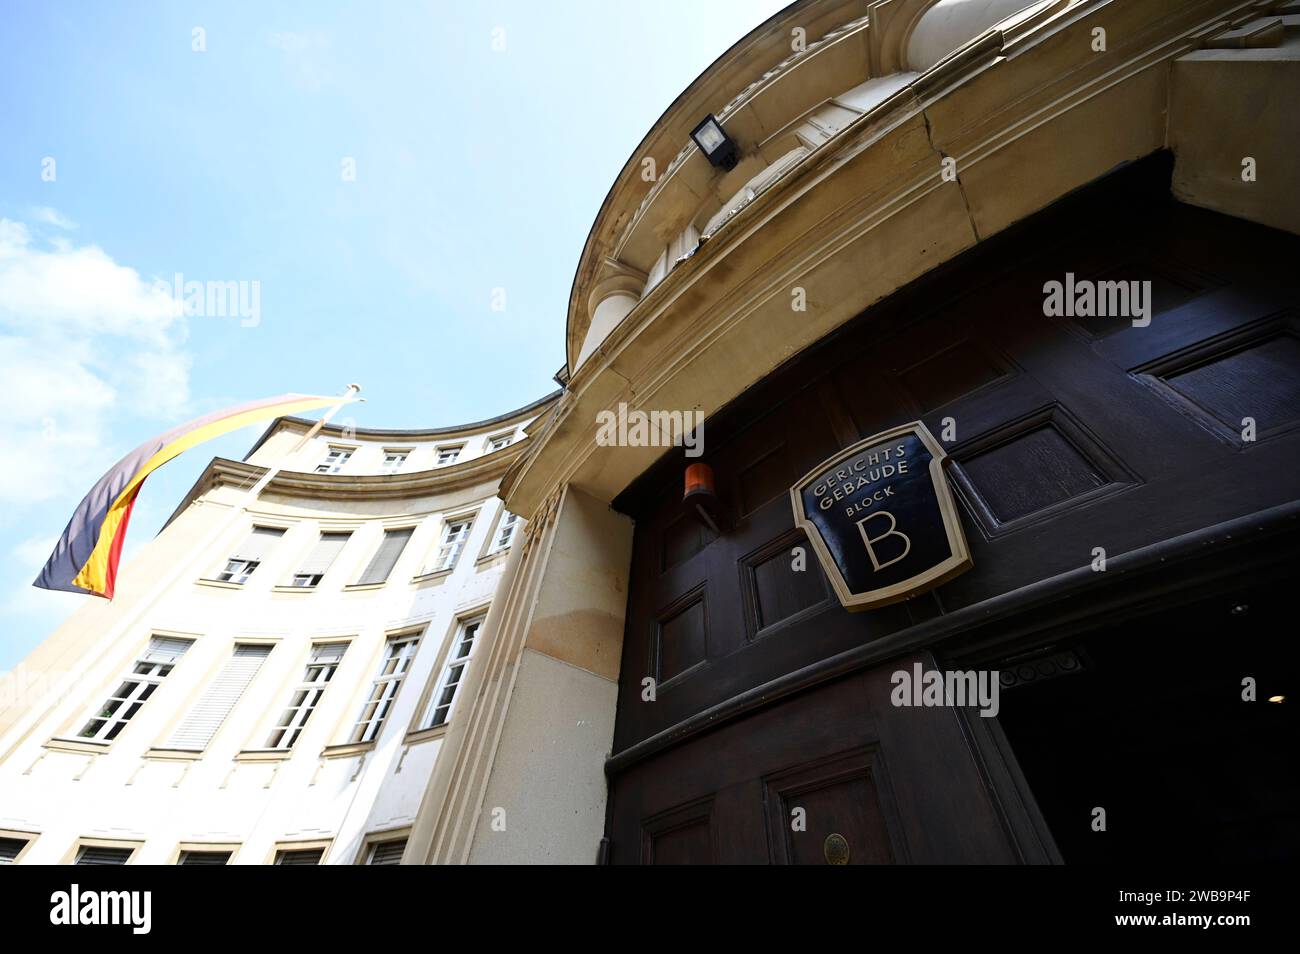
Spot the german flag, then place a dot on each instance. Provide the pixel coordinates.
(86, 556)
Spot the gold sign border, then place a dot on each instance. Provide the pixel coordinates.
(940, 573)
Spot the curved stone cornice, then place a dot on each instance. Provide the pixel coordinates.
(489, 468)
(399, 435)
(1018, 113)
(668, 141)
(772, 116)
(687, 150)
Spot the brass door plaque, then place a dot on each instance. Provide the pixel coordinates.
(836, 849)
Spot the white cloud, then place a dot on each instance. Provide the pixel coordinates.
(78, 289)
(82, 339)
(49, 216)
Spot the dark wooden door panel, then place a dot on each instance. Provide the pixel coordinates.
(829, 809)
(898, 784)
(682, 835)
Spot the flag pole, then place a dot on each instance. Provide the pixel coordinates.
(349, 394)
(19, 729)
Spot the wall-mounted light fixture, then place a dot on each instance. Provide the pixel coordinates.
(716, 145)
(700, 495)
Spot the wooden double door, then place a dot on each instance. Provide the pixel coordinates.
(1066, 434)
(833, 776)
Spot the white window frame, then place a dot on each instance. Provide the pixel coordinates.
(399, 653)
(452, 545)
(453, 672)
(395, 459)
(238, 569)
(454, 449)
(336, 458)
(500, 441)
(140, 682)
(507, 522)
(306, 695)
(309, 581)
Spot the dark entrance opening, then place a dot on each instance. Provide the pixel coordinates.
(1152, 727)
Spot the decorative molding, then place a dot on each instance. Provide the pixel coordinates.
(395, 436)
(425, 483)
(628, 369)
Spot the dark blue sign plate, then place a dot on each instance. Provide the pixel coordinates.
(880, 517)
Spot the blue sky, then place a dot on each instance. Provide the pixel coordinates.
(475, 169)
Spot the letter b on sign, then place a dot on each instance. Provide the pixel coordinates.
(869, 541)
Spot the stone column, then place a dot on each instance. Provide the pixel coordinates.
(608, 304)
(521, 775)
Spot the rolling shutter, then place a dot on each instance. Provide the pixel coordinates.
(387, 852)
(300, 856)
(165, 649)
(103, 856)
(9, 848)
(258, 543)
(203, 721)
(386, 557)
(205, 858)
(323, 554)
(327, 652)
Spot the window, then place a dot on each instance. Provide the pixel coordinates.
(100, 855)
(386, 852)
(454, 535)
(12, 846)
(320, 559)
(385, 557)
(135, 689)
(500, 441)
(334, 460)
(397, 660)
(453, 673)
(205, 857)
(299, 856)
(505, 531)
(394, 459)
(321, 667)
(249, 556)
(217, 701)
(449, 455)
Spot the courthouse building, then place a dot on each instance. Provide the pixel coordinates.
(274, 678)
(990, 311)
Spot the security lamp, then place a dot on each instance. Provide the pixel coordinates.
(701, 496)
(716, 145)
